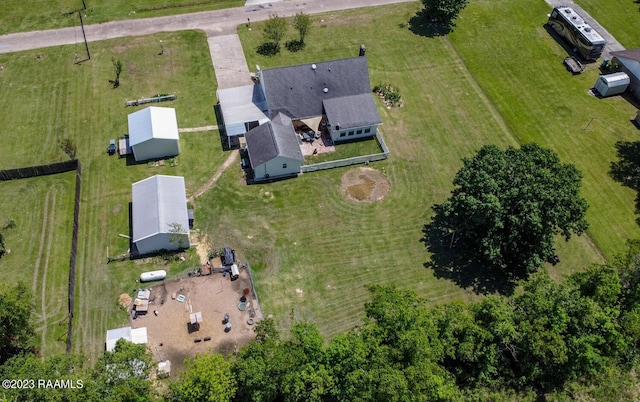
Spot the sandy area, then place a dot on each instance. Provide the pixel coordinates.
(364, 184)
(213, 295)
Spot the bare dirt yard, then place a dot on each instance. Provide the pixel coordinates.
(167, 321)
(364, 184)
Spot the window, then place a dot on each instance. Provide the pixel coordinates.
(342, 134)
(359, 131)
(351, 132)
(284, 165)
(367, 130)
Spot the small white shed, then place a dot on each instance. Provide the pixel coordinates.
(153, 133)
(612, 84)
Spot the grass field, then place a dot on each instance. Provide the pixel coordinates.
(619, 17)
(313, 251)
(49, 98)
(542, 102)
(21, 16)
(39, 244)
(316, 251)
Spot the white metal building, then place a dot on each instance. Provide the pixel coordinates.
(243, 108)
(612, 84)
(153, 133)
(159, 214)
(134, 335)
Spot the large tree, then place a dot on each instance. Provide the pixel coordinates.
(274, 29)
(444, 11)
(508, 205)
(302, 23)
(207, 378)
(16, 331)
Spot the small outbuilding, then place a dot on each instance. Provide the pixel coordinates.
(628, 61)
(612, 84)
(134, 335)
(153, 133)
(159, 214)
(274, 150)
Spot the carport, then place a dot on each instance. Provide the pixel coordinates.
(243, 108)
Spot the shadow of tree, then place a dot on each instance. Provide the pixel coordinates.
(268, 49)
(294, 45)
(626, 170)
(451, 260)
(422, 24)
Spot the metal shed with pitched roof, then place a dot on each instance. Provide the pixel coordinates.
(153, 133)
(159, 214)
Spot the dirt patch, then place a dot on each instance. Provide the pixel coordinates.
(124, 300)
(170, 337)
(202, 246)
(364, 184)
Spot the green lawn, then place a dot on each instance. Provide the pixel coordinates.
(314, 250)
(21, 16)
(540, 101)
(50, 98)
(621, 18)
(39, 244)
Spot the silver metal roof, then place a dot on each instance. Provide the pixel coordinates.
(158, 202)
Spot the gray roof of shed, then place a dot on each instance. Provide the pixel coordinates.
(352, 111)
(299, 90)
(157, 202)
(270, 140)
(633, 54)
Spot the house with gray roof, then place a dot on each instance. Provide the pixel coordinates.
(160, 219)
(335, 92)
(274, 151)
(629, 62)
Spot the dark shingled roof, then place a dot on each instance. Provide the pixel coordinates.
(633, 54)
(299, 90)
(352, 111)
(270, 140)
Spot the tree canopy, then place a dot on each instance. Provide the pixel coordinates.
(274, 30)
(507, 206)
(16, 331)
(207, 378)
(444, 11)
(302, 23)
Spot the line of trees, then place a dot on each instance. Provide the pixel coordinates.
(275, 29)
(580, 336)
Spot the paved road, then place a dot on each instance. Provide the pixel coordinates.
(219, 22)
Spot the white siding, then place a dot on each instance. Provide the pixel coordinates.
(156, 148)
(343, 134)
(275, 168)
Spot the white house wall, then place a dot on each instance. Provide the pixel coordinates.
(160, 241)
(343, 134)
(274, 168)
(156, 148)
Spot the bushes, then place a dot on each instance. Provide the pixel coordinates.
(390, 94)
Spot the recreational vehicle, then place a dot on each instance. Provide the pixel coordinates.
(581, 36)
